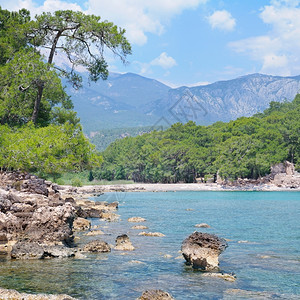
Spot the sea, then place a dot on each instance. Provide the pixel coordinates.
(262, 229)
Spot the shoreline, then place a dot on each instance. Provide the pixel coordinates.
(176, 187)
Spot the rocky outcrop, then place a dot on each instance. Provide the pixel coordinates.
(94, 209)
(97, 246)
(32, 212)
(123, 243)
(14, 295)
(202, 250)
(155, 295)
(284, 175)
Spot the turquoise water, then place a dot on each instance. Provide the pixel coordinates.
(264, 251)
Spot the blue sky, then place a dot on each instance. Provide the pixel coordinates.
(189, 42)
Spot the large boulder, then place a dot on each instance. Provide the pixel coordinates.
(202, 250)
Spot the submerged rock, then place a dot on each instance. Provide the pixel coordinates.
(155, 295)
(202, 225)
(225, 276)
(97, 246)
(151, 234)
(94, 232)
(139, 227)
(123, 243)
(136, 219)
(202, 250)
(14, 295)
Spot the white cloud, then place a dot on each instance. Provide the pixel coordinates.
(138, 17)
(34, 8)
(164, 61)
(278, 50)
(141, 17)
(222, 19)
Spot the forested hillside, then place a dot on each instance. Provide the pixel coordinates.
(39, 131)
(246, 148)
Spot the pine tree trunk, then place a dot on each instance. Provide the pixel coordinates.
(37, 103)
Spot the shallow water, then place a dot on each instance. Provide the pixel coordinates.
(263, 252)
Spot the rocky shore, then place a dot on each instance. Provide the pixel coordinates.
(39, 219)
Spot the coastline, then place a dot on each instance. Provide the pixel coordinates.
(175, 187)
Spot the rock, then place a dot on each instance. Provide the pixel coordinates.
(97, 246)
(155, 295)
(139, 227)
(58, 251)
(109, 216)
(6, 294)
(136, 219)
(24, 250)
(289, 168)
(201, 250)
(202, 225)
(94, 232)
(245, 294)
(92, 212)
(151, 234)
(123, 243)
(227, 277)
(31, 250)
(81, 224)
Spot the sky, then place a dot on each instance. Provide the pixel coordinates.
(193, 42)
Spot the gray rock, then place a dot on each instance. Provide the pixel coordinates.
(123, 243)
(24, 250)
(97, 246)
(32, 250)
(201, 250)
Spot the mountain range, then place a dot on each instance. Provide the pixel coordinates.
(131, 100)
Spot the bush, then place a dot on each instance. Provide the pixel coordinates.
(76, 182)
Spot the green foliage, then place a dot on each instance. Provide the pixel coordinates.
(91, 176)
(76, 182)
(20, 79)
(48, 150)
(243, 148)
(82, 38)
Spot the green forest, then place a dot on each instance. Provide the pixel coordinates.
(39, 131)
(244, 148)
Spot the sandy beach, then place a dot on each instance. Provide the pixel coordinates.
(159, 187)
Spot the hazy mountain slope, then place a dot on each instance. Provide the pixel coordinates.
(116, 102)
(225, 100)
(131, 100)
